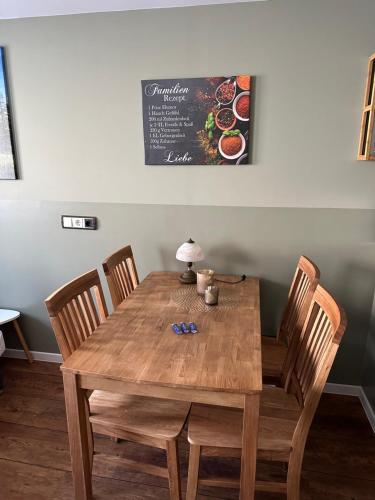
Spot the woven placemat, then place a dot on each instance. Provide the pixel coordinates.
(187, 299)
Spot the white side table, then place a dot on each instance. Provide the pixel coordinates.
(7, 316)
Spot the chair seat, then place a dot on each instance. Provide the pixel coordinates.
(219, 427)
(273, 356)
(152, 417)
(7, 315)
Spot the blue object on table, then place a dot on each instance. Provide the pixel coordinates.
(193, 328)
(176, 328)
(181, 328)
(185, 328)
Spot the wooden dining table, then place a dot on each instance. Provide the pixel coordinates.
(135, 351)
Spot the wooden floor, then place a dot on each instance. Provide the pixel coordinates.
(34, 456)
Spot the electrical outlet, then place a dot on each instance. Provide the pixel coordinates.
(78, 222)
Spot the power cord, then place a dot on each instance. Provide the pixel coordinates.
(243, 277)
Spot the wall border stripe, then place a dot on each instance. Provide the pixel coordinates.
(341, 389)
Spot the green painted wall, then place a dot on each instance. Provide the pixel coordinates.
(75, 86)
(37, 256)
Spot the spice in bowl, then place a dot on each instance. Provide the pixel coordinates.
(243, 81)
(231, 144)
(225, 119)
(242, 106)
(225, 92)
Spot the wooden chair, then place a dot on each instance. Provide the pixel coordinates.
(275, 361)
(121, 273)
(285, 413)
(76, 310)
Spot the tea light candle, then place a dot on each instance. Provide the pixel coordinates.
(205, 277)
(211, 295)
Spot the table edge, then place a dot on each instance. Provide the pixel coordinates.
(147, 383)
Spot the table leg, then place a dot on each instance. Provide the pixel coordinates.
(23, 341)
(1, 375)
(249, 446)
(78, 437)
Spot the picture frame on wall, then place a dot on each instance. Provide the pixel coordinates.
(367, 138)
(8, 167)
(197, 121)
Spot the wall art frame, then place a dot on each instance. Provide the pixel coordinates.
(8, 161)
(366, 149)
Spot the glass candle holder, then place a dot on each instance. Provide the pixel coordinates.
(205, 277)
(211, 295)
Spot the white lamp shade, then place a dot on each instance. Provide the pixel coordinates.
(189, 252)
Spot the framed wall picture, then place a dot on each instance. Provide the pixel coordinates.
(197, 121)
(7, 150)
(367, 138)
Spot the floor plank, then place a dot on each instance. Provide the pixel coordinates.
(46, 386)
(21, 365)
(339, 460)
(20, 481)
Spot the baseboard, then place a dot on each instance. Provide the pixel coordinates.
(341, 389)
(50, 357)
(369, 410)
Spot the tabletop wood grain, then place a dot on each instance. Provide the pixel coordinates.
(136, 344)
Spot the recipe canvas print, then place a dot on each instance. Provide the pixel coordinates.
(197, 121)
(7, 156)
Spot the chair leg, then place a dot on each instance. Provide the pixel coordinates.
(193, 473)
(115, 439)
(23, 341)
(173, 470)
(293, 477)
(90, 435)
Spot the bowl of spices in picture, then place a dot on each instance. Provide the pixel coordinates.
(242, 160)
(232, 144)
(225, 119)
(225, 92)
(243, 82)
(241, 106)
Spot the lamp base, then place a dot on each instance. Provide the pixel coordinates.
(188, 277)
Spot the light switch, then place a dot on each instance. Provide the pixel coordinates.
(78, 222)
(66, 221)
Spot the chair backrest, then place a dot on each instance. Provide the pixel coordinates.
(76, 310)
(121, 273)
(305, 281)
(320, 339)
(303, 286)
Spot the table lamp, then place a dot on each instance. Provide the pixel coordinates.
(189, 252)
